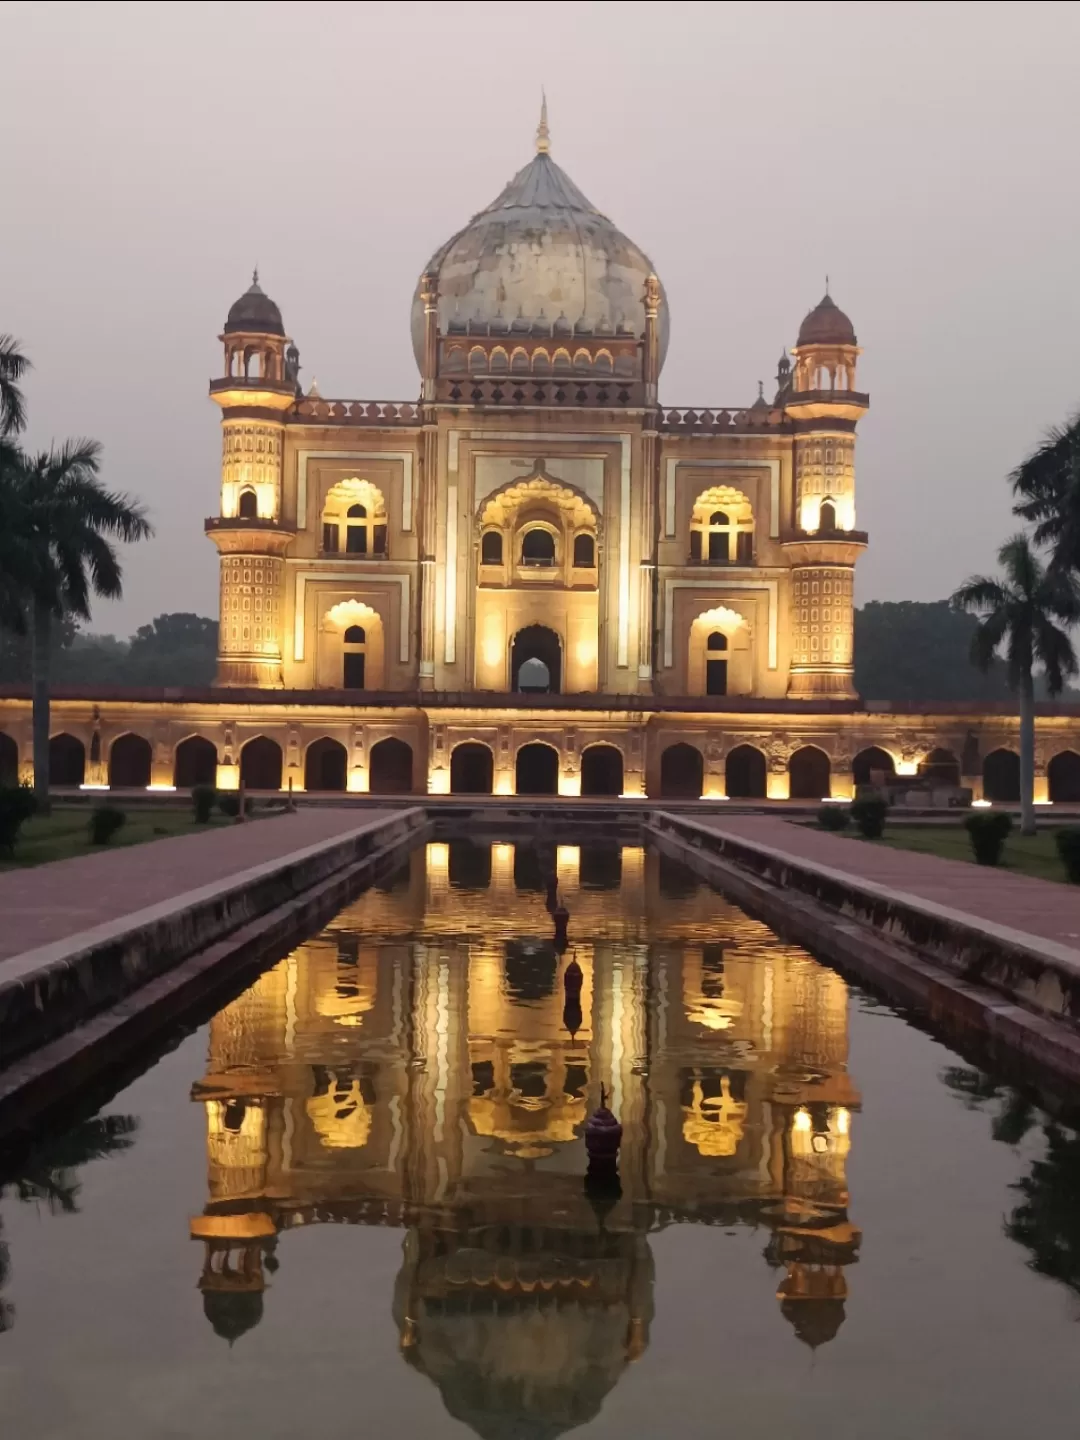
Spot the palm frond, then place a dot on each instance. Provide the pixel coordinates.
(14, 364)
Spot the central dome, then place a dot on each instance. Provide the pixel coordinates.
(540, 254)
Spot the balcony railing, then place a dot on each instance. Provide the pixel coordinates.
(563, 393)
(692, 421)
(357, 412)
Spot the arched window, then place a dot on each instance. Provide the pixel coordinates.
(355, 652)
(363, 535)
(538, 547)
(827, 516)
(721, 537)
(491, 548)
(248, 509)
(716, 664)
(585, 552)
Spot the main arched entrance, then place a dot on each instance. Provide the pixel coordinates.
(326, 765)
(67, 761)
(536, 770)
(1001, 776)
(195, 763)
(809, 770)
(129, 763)
(871, 762)
(9, 760)
(682, 772)
(744, 773)
(536, 661)
(601, 770)
(260, 764)
(472, 769)
(1063, 776)
(390, 767)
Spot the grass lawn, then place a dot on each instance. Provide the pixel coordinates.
(66, 832)
(1030, 855)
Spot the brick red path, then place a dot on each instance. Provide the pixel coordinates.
(51, 902)
(1038, 907)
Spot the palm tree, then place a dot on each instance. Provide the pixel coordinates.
(66, 522)
(1048, 487)
(13, 366)
(1021, 613)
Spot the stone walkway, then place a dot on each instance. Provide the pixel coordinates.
(47, 903)
(1037, 907)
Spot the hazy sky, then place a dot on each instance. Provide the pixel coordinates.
(921, 154)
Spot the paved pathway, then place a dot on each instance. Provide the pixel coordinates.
(1038, 907)
(47, 903)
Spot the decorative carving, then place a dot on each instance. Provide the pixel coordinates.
(500, 508)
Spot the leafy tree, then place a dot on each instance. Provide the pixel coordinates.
(912, 650)
(1047, 485)
(1022, 613)
(66, 522)
(176, 649)
(13, 366)
(48, 1173)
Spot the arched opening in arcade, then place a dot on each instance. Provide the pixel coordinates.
(538, 546)
(940, 767)
(682, 772)
(130, 758)
(326, 765)
(536, 770)
(1063, 775)
(1001, 776)
(536, 661)
(872, 766)
(390, 767)
(9, 760)
(744, 773)
(67, 761)
(472, 769)
(601, 770)
(194, 763)
(261, 764)
(809, 773)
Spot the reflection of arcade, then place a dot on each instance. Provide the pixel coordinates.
(413, 1066)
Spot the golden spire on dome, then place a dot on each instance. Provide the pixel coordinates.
(543, 134)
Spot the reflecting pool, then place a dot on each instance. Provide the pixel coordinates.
(353, 1204)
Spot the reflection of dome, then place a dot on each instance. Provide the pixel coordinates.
(525, 1346)
(826, 324)
(540, 254)
(255, 312)
(815, 1322)
(233, 1313)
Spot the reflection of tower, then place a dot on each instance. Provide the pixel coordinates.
(825, 407)
(258, 387)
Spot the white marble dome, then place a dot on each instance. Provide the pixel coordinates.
(540, 255)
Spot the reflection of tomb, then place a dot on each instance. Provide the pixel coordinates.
(412, 1066)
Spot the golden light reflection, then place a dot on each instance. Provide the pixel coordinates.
(424, 1063)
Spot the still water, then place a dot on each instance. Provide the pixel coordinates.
(353, 1204)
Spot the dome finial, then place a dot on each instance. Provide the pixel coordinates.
(826, 284)
(255, 276)
(543, 134)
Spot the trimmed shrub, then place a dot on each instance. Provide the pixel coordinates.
(229, 804)
(988, 835)
(203, 799)
(1067, 840)
(17, 804)
(105, 822)
(833, 817)
(869, 816)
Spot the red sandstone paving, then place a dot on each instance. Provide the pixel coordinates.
(51, 902)
(1038, 907)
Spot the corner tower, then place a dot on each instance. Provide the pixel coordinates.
(259, 385)
(821, 401)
